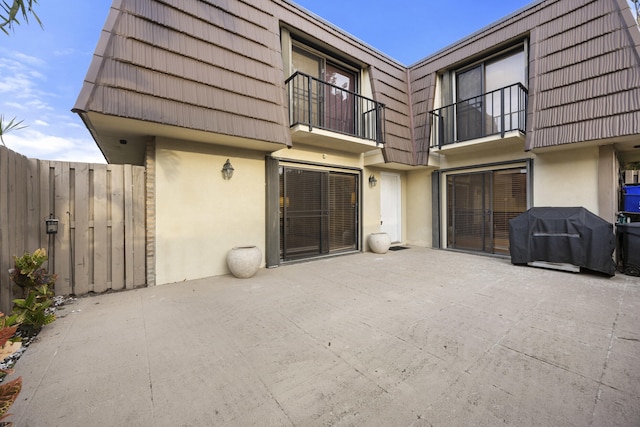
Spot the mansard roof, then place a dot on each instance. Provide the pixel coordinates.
(214, 67)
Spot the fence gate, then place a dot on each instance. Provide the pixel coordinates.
(100, 244)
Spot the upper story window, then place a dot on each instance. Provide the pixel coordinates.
(317, 66)
(502, 71)
(483, 98)
(325, 92)
(333, 105)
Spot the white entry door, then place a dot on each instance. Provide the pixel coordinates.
(391, 205)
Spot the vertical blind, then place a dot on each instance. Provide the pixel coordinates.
(318, 212)
(479, 207)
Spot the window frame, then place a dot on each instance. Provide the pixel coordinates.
(447, 86)
(326, 58)
(503, 53)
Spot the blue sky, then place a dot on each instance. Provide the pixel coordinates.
(41, 70)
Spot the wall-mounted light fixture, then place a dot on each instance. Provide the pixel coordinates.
(227, 170)
(372, 181)
(51, 224)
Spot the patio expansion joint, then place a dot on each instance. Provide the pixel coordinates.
(146, 347)
(497, 343)
(548, 362)
(266, 387)
(612, 336)
(320, 343)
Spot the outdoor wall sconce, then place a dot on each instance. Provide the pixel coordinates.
(227, 170)
(52, 224)
(372, 181)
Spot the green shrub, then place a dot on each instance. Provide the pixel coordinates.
(28, 272)
(8, 391)
(34, 310)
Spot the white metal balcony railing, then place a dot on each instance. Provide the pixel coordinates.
(493, 113)
(319, 104)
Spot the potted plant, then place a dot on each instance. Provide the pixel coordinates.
(244, 261)
(379, 242)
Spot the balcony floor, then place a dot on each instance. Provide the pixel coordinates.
(480, 144)
(322, 138)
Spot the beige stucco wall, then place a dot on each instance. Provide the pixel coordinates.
(319, 156)
(371, 205)
(567, 178)
(493, 152)
(201, 216)
(419, 208)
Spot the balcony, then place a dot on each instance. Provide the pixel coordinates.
(493, 113)
(320, 112)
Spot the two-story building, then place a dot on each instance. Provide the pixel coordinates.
(331, 140)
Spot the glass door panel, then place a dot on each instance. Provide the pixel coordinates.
(509, 201)
(340, 103)
(343, 208)
(499, 73)
(469, 211)
(303, 213)
(469, 100)
(307, 98)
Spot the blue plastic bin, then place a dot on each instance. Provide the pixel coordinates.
(631, 198)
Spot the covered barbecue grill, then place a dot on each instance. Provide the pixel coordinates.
(562, 235)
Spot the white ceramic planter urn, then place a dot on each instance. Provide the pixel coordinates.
(379, 242)
(244, 261)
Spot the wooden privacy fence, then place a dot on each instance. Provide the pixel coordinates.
(100, 243)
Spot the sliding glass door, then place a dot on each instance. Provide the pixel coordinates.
(479, 207)
(318, 212)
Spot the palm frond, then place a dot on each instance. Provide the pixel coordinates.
(11, 11)
(5, 128)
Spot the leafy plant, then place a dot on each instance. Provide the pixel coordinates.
(34, 311)
(9, 347)
(5, 127)
(9, 15)
(8, 391)
(8, 394)
(632, 166)
(28, 272)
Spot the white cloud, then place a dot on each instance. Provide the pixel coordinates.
(35, 144)
(38, 104)
(15, 105)
(65, 52)
(31, 60)
(18, 84)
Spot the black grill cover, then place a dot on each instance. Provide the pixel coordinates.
(571, 235)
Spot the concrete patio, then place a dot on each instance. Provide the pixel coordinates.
(417, 337)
